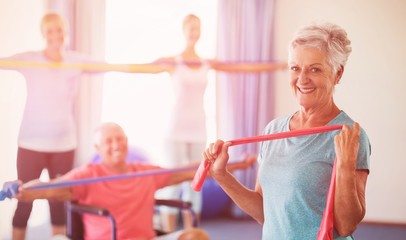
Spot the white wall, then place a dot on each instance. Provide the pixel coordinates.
(372, 88)
(19, 28)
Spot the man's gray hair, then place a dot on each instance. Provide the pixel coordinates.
(98, 131)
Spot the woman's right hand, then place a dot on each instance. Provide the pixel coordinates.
(217, 155)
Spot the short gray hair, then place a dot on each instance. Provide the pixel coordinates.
(326, 37)
(99, 131)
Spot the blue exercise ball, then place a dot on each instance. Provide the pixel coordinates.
(133, 155)
(215, 201)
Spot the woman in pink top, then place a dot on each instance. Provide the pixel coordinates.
(47, 136)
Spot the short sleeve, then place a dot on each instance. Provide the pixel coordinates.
(160, 180)
(19, 57)
(79, 191)
(364, 152)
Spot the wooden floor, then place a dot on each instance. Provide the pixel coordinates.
(226, 228)
(229, 228)
(247, 229)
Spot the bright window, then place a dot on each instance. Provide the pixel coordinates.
(139, 32)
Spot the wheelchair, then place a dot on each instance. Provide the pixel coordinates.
(74, 224)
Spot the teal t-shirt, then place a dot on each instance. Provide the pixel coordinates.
(295, 175)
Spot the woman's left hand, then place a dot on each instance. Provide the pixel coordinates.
(347, 145)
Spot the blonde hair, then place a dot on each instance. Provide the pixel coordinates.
(327, 37)
(53, 17)
(190, 17)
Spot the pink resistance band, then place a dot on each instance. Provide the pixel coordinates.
(327, 222)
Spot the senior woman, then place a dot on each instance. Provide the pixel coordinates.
(293, 178)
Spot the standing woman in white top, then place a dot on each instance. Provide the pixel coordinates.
(47, 136)
(187, 135)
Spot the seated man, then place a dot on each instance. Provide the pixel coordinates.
(130, 201)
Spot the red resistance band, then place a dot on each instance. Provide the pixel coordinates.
(327, 222)
(204, 166)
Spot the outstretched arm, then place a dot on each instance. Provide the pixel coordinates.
(8, 63)
(97, 68)
(148, 68)
(247, 67)
(250, 201)
(157, 66)
(189, 175)
(89, 67)
(26, 194)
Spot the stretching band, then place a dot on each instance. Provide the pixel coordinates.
(204, 166)
(145, 67)
(11, 188)
(327, 222)
(60, 65)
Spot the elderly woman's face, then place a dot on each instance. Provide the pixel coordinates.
(311, 78)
